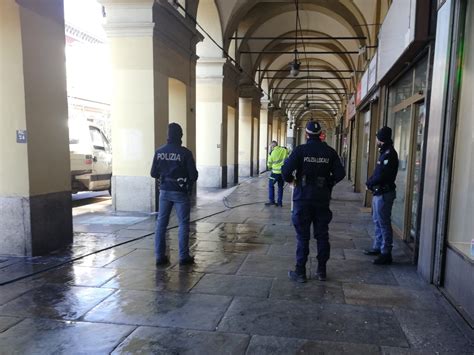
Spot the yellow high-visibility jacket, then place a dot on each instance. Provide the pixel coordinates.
(277, 159)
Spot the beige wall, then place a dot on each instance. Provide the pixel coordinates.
(177, 105)
(208, 129)
(133, 105)
(14, 157)
(263, 136)
(231, 120)
(245, 130)
(33, 86)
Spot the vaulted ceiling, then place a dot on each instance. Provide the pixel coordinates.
(334, 39)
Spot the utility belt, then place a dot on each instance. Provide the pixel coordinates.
(318, 181)
(182, 182)
(381, 189)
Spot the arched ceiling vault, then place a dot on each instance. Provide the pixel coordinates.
(330, 61)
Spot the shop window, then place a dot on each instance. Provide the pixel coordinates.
(461, 208)
(420, 77)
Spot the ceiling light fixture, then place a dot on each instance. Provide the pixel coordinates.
(295, 64)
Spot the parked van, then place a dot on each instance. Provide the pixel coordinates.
(91, 158)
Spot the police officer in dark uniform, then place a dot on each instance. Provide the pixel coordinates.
(175, 168)
(318, 168)
(382, 185)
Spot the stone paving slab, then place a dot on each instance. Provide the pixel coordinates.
(12, 291)
(433, 331)
(42, 336)
(245, 248)
(354, 271)
(8, 322)
(266, 265)
(216, 262)
(193, 311)
(390, 296)
(75, 275)
(148, 340)
(154, 280)
(56, 302)
(270, 345)
(312, 291)
(332, 322)
(233, 285)
(105, 257)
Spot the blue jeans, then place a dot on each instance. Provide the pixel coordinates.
(382, 216)
(182, 204)
(275, 179)
(305, 213)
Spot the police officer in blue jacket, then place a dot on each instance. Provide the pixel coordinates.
(175, 168)
(382, 185)
(318, 168)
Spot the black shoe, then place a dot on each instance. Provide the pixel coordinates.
(270, 204)
(321, 273)
(162, 261)
(187, 261)
(294, 276)
(372, 252)
(279, 205)
(383, 259)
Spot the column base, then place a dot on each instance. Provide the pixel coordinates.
(35, 225)
(244, 170)
(212, 176)
(133, 193)
(232, 176)
(262, 165)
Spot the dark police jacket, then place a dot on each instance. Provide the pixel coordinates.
(385, 173)
(318, 169)
(175, 167)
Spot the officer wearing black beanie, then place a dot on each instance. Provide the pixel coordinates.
(175, 168)
(382, 185)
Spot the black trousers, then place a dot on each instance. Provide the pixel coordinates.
(305, 214)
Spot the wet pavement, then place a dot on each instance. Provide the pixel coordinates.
(236, 299)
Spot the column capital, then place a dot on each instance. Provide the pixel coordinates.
(264, 104)
(250, 91)
(129, 18)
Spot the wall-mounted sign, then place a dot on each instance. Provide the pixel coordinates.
(350, 110)
(372, 79)
(21, 136)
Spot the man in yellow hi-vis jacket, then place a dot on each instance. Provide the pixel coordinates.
(276, 159)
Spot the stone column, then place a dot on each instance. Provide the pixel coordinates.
(136, 84)
(35, 176)
(152, 51)
(263, 142)
(276, 126)
(216, 122)
(245, 136)
(283, 126)
(249, 114)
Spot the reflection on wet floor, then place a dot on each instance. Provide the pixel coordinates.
(236, 299)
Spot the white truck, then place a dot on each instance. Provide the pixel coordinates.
(91, 158)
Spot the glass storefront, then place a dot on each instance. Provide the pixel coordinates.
(401, 134)
(461, 206)
(364, 118)
(406, 115)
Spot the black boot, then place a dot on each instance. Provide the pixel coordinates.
(383, 259)
(372, 252)
(295, 276)
(321, 272)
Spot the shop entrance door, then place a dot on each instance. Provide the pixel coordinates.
(416, 175)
